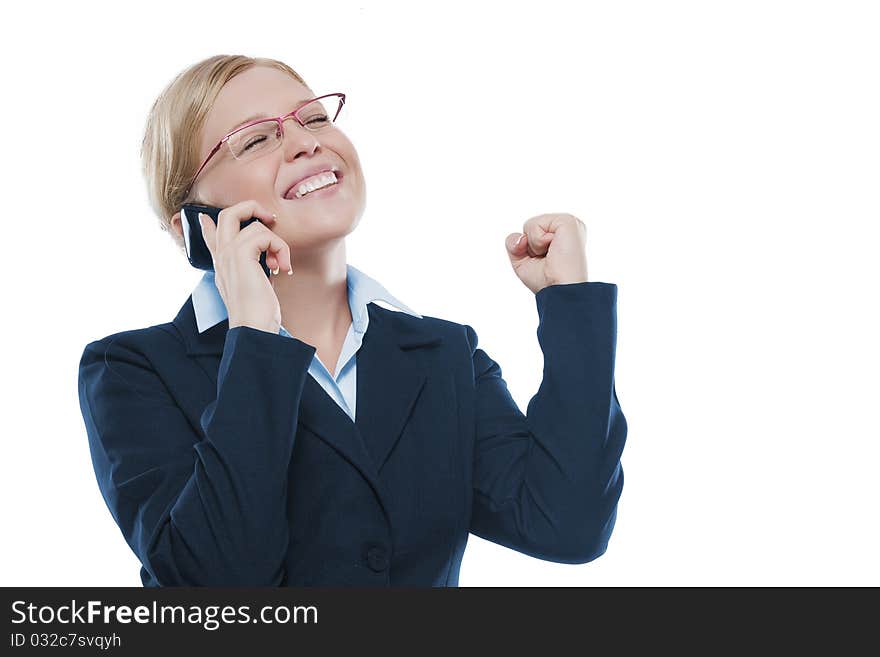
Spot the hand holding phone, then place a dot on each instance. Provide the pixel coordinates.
(231, 242)
(197, 251)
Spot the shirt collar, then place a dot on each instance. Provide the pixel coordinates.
(210, 310)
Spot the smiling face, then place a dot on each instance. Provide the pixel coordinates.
(302, 222)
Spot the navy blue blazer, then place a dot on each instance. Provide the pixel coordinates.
(225, 464)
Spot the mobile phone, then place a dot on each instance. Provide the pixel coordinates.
(196, 250)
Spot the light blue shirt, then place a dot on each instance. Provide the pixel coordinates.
(210, 310)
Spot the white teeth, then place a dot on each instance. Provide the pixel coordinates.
(316, 182)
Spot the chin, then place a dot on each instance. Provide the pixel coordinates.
(314, 228)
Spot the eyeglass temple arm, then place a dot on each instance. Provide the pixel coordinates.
(210, 155)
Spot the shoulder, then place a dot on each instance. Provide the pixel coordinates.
(448, 334)
(140, 344)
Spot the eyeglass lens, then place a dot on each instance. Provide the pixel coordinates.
(265, 136)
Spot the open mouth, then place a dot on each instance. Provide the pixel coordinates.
(327, 188)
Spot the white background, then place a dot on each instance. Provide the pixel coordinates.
(723, 155)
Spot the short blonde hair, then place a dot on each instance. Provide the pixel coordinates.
(172, 138)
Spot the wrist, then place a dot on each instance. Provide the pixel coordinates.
(255, 325)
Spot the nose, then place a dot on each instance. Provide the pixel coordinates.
(297, 139)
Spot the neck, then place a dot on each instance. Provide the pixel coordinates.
(314, 301)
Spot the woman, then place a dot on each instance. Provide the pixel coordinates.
(284, 430)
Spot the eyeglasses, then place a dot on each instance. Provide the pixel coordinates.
(258, 138)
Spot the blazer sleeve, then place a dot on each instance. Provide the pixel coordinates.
(198, 510)
(547, 483)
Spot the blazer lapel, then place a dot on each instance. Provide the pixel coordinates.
(391, 373)
(390, 376)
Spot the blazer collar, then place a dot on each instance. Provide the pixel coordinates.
(407, 332)
(361, 288)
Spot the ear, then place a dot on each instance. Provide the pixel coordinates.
(176, 225)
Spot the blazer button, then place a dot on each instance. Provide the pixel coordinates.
(377, 558)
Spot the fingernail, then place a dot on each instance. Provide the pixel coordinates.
(290, 272)
(274, 216)
(276, 270)
(518, 240)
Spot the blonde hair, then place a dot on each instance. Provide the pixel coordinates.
(171, 144)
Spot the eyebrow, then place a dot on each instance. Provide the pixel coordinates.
(261, 115)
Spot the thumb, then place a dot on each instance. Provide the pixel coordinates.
(512, 243)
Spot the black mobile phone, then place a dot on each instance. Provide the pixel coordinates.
(196, 250)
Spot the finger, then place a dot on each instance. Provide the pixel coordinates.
(538, 240)
(230, 219)
(209, 231)
(259, 238)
